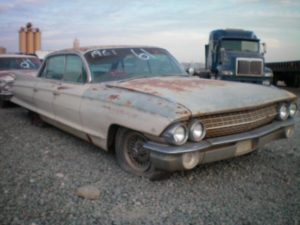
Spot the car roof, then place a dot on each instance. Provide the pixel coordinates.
(83, 50)
(16, 56)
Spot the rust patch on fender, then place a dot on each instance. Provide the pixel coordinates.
(185, 112)
(177, 85)
(114, 97)
(128, 103)
(63, 88)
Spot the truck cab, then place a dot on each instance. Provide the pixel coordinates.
(235, 55)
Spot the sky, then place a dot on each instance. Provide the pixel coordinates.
(181, 26)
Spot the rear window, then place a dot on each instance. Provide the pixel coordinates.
(19, 63)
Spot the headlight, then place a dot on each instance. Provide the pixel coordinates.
(7, 86)
(283, 112)
(266, 82)
(176, 134)
(292, 109)
(269, 74)
(196, 131)
(227, 72)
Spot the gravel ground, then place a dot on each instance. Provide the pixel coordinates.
(42, 167)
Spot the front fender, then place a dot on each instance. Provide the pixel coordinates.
(103, 106)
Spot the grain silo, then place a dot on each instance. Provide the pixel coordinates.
(22, 40)
(37, 40)
(29, 39)
(2, 50)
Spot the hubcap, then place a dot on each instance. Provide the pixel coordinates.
(138, 156)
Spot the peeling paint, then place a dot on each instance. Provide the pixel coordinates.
(178, 85)
(202, 96)
(113, 97)
(63, 88)
(128, 103)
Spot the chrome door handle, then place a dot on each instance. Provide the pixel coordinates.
(55, 93)
(35, 90)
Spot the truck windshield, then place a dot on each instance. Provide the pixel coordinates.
(238, 45)
(131, 63)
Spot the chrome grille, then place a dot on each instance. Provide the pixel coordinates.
(237, 122)
(248, 67)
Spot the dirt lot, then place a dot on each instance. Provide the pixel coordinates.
(42, 167)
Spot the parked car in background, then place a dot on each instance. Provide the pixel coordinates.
(140, 102)
(10, 64)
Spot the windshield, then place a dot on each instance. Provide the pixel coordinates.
(22, 63)
(239, 45)
(131, 63)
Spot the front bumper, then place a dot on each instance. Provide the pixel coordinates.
(248, 79)
(170, 158)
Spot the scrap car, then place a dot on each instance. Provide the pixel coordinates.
(10, 64)
(139, 102)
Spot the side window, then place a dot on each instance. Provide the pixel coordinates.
(55, 68)
(75, 71)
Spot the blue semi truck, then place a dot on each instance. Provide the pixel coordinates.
(236, 55)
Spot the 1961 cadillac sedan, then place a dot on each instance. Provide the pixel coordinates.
(138, 101)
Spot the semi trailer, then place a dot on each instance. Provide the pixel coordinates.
(288, 71)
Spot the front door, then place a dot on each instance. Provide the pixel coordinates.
(50, 80)
(68, 96)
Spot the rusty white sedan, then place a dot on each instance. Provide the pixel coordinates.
(139, 102)
(10, 64)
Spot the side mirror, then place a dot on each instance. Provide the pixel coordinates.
(191, 71)
(264, 48)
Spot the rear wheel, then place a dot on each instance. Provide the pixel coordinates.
(131, 155)
(289, 81)
(35, 119)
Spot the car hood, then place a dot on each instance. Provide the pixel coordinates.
(202, 96)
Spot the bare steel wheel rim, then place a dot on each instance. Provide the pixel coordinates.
(139, 158)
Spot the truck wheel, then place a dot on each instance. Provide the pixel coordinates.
(275, 80)
(131, 155)
(3, 104)
(297, 81)
(289, 81)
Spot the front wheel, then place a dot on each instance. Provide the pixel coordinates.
(131, 155)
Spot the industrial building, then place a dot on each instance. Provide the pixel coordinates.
(29, 39)
(2, 50)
